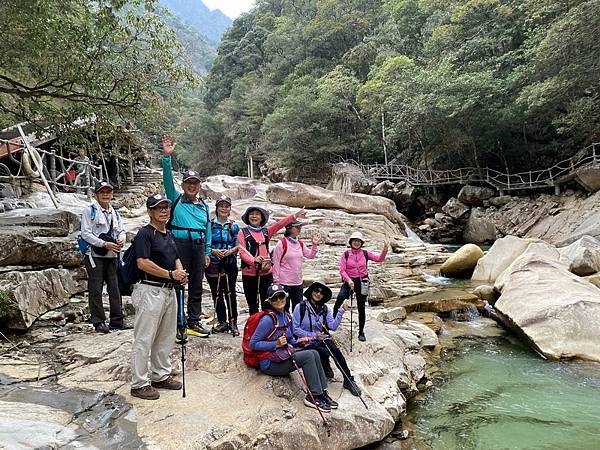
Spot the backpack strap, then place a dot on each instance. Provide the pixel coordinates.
(275, 324)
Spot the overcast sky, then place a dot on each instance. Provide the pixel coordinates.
(231, 8)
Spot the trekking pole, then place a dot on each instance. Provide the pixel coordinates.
(182, 331)
(310, 394)
(228, 297)
(351, 317)
(216, 297)
(258, 302)
(337, 363)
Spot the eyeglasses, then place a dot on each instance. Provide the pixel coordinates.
(162, 208)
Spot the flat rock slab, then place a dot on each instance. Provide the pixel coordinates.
(439, 301)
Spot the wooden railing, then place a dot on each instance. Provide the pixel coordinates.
(563, 171)
(56, 168)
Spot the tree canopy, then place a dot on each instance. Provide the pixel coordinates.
(510, 84)
(67, 59)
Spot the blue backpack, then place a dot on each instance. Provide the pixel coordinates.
(82, 244)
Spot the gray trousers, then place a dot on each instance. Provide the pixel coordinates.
(153, 333)
(310, 363)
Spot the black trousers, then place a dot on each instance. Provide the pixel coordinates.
(224, 298)
(295, 296)
(361, 301)
(105, 271)
(191, 254)
(252, 291)
(339, 360)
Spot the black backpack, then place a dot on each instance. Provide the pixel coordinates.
(303, 307)
(252, 245)
(128, 272)
(170, 225)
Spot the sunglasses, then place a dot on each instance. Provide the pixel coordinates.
(278, 297)
(319, 291)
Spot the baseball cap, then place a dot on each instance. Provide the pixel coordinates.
(155, 199)
(102, 184)
(191, 174)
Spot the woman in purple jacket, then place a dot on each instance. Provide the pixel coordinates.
(354, 272)
(313, 319)
(278, 338)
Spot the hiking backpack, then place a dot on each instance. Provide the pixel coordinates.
(252, 245)
(170, 226)
(129, 273)
(284, 246)
(366, 253)
(252, 358)
(82, 244)
(303, 307)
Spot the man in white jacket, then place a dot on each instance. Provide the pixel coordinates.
(102, 229)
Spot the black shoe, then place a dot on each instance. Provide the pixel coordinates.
(361, 337)
(329, 374)
(221, 327)
(332, 403)
(101, 328)
(234, 329)
(352, 387)
(120, 327)
(319, 402)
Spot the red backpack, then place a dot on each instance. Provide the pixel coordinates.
(284, 246)
(252, 358)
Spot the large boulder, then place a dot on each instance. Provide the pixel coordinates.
(455, 208)
(33, 293)
(499, 257)
(555, 310)
(462, 262)
(19, 248)
(584, 255)
(346, 177)
(237, 188)
(401, 193)
(480, 227)
(590, 226)
(475, 195)
(302, 195)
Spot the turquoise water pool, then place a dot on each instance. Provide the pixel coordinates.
(498, 394)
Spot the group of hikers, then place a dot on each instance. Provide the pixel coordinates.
(288, 328)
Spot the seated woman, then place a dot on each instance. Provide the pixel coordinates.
(277, 339)
(312, 319)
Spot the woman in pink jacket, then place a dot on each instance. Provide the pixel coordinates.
(354, 272)
(287, 261)
(257, 269)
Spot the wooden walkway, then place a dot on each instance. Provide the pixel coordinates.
(585, 160)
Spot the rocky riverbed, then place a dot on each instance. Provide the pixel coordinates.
(227, 404)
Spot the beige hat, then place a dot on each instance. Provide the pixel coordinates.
(356, 235)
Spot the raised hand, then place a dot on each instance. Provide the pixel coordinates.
(316, 238)
(168, 144)
(300, 214)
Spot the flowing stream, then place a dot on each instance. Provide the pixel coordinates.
(497, 393)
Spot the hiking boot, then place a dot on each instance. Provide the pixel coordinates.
(221, 327)
(101, 328)
(332, 403)
(352, 387)
(123, 326)
(146, 393)
(361, 337)
(180, 338)
(234, 329)
(320, 403)
(168, 383)
(197, 330)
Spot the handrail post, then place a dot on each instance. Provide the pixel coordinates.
(53, 170)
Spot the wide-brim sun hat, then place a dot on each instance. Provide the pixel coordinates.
(316, 285)
(356, 235)
(264, 213)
